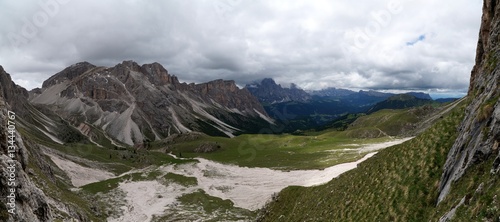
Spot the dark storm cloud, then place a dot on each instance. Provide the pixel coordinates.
(315, 44)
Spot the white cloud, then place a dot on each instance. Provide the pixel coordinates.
(315, 44)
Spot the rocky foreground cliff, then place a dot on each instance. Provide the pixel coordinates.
(479, 133)
(23, 166)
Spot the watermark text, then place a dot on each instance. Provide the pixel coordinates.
(11, 168)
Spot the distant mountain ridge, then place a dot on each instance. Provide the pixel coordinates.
(400, 101)
(299, 109)
(268, 92)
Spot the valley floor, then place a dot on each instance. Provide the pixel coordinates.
(205, 189)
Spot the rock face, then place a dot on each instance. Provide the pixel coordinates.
(479, 133)
(267, 91)
(68, 73)
(332, 92)
(12, 94)
(229, 95)
(133, 103)
(31, 203)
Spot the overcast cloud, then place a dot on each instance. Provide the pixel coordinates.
(371, 44)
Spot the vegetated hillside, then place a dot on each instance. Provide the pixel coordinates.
(307, 149)
(400, 183)
(391, 122)
(401, 101)
(292, 116)
(294, 109)
(445, 100)
(321, 112)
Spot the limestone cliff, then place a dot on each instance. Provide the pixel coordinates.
(134, 103)
(31, 204)
(479, 133)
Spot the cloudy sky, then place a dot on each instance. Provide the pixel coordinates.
(424, 45)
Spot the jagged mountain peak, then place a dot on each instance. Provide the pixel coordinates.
(13, 94)
(268, 81)
(133, 102)
(268, 91)
(155, 72)
(68, 73)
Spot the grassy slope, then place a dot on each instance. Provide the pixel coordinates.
(313, 150)
(278, 151)
(390, 122)
(398, 184)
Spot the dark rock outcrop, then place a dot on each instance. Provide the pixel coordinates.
(32, 204)
(12, 94)
(68, 73)
(479, 133)
(267, 91)
(226, 93)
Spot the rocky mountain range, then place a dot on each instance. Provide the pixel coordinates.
(134, 103)
(268, 92)
(333, 92)
(297, 109)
